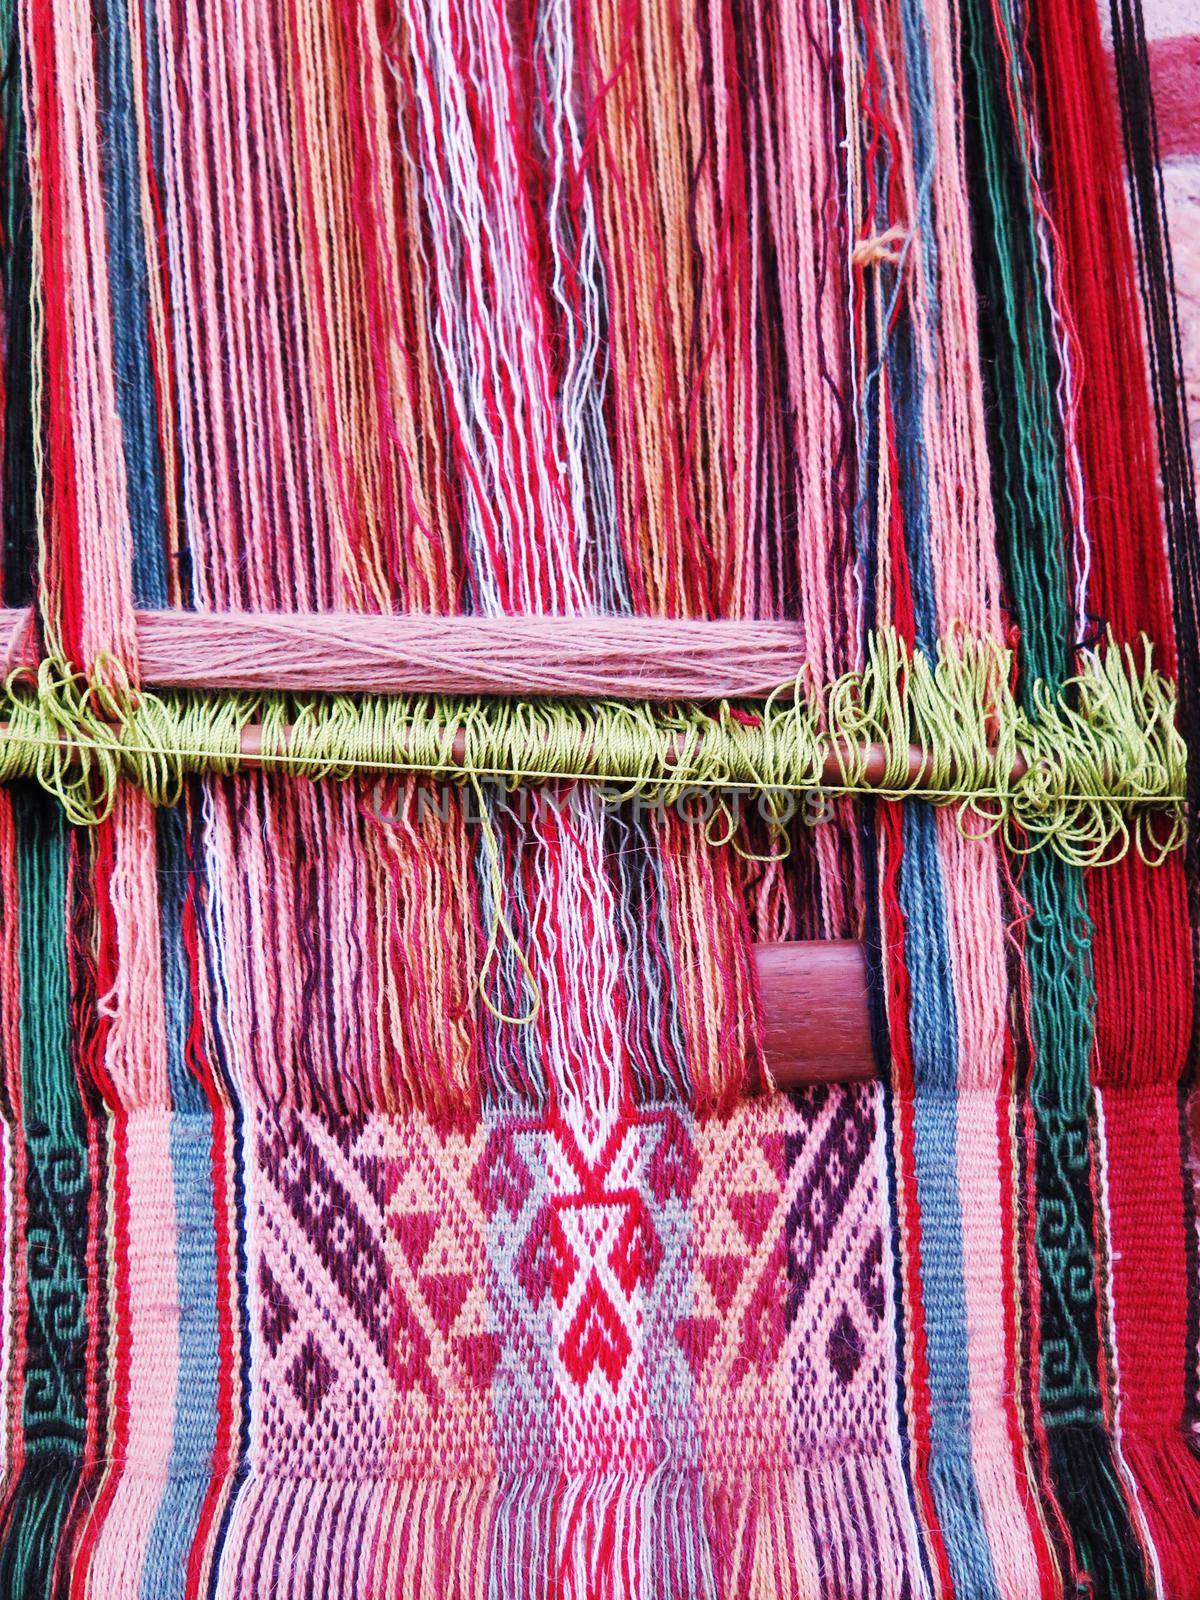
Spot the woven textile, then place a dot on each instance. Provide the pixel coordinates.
(396, 1198)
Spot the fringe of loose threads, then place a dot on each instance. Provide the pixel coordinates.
(1090, 769)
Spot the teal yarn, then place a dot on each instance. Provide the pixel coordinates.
(53, 1209)
(1035, 500)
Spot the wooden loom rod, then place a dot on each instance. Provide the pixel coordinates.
(347, 652)
(874, 759)
(814, 1012)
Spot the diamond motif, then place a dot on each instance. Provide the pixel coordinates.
(413, 1231)
(501, 1178)
(444, 1295)
(671, 1170)
(479, 1354)
(535, 1264)
(868, 1280)
(409, 1349)
(278, 1312)
(763, 1323)
(845, 1347)
(311, 1377)
(696, 1336)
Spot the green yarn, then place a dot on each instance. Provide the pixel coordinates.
(1039, 501)
(1090, 769)
(1025, 434)
(54, 1211)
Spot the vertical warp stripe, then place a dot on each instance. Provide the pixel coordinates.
(134, 378)
(934, 1033)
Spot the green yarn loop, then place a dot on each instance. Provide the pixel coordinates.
(1091, 769)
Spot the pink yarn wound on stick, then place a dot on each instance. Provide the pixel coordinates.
(18, 639)
(632, 658)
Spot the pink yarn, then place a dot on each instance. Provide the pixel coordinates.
(593, 657)
(18, 639)
(646, 658)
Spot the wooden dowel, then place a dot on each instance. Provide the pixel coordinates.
(409, 654)
(814, 1009)
(873, 769)
(874, 766)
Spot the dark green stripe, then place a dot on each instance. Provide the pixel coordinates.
(1027, 456)
(56, 1196)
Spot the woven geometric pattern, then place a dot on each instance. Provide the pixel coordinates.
(396, 1200)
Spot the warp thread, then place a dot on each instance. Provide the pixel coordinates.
(558, 308)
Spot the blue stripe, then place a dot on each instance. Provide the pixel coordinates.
(132, 369)
(164, 1576)
(172, 863)
(195, 1429)
(934, 1030)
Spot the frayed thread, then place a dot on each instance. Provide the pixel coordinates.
(1090, 769)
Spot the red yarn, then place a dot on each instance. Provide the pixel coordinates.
(1150, 1295)
(1128, 587)
(64, 510)
(1141, 947)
